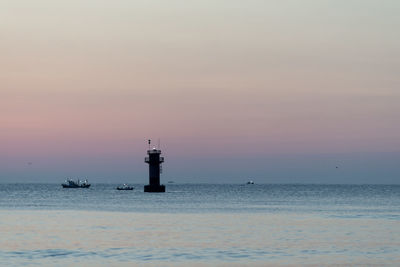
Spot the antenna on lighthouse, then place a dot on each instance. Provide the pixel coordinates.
(159, 146)
(149, 141)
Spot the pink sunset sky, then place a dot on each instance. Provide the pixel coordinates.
(281, 91)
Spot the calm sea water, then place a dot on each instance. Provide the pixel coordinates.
(202, 224)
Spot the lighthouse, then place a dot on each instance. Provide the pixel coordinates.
(154, 160)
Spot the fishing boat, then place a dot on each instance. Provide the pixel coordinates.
(125, 187)
(69, 183)
(250, 182)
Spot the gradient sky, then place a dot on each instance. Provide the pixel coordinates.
(273, 91)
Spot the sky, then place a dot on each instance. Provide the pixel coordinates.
(272, 91)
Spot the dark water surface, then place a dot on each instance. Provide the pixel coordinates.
(200, 225)
(339, 200)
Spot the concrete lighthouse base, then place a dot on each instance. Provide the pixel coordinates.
(154, 188)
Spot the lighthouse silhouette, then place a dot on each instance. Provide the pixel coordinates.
(154, 160)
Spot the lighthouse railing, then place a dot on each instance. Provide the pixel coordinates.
(147, 159)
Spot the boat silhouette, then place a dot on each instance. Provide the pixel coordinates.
(69, 183)
(125, 187)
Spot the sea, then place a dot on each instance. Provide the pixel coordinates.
(200, 225)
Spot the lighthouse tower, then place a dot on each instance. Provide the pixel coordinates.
(154, 160)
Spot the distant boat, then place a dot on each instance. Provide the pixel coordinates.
(171, 182)
(75, 184)
(125, 187)
(250, 182)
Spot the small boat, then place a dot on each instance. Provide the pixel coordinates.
(125, 187)
(250, 182)
(69, 183)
